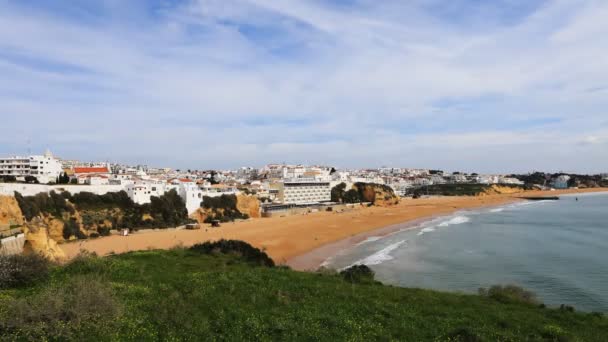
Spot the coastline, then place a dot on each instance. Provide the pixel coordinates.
(300, 241)
(314, 259)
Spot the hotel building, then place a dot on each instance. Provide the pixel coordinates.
(45, 168)
(303, 191)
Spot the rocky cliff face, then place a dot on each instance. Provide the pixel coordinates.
(10, 213)
(249, 205)
(498, 190)
(245, 204)
(40, 233)
(380, 195)
(39, 241)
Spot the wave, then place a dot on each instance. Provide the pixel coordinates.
(454, 220)
(370, 239)
(380, 256)
(496, 210)
(426, 230)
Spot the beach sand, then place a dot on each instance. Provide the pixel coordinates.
(304, 241)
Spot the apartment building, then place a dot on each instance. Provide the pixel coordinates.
(45, 168)
(303, 191)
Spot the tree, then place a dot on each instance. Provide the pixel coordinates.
(8, 179)
(63, 178)
(337, 192)
(31, 179)
(169, 209)
(351, 196)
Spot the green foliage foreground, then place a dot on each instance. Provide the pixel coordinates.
(194, 295)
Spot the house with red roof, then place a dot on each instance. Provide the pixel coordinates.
(92, 175)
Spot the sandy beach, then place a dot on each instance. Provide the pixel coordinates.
(304, 241)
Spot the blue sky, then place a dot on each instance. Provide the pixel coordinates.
(488, 86)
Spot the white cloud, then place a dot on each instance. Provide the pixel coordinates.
(224, 83)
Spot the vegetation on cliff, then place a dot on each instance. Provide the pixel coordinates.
(460, 189)
(545, 179)
(364, 192)
(216, 293)
(223, 208)
(97, 214)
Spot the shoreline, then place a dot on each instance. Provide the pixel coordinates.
(289, 240)
(314, 259)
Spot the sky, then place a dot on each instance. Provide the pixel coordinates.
(488, 86)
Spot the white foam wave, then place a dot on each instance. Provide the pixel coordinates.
(380, 256)
(426, 230)
(369, 239)
(454, 220)
(496, 210)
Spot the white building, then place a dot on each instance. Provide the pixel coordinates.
(141, 192)
(45, 168)
(303, 191)
(92, 175)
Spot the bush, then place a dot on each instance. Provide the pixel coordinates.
(8, 179)
(103, 231)
(509, 294)
(358, 274)
(463, 335)
(60, 311)
(566, 308)
(223, 208)
(31, 179)
(71, 228)
(22, 270)
(244, 250)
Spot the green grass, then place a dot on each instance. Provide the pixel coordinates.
(182, 295)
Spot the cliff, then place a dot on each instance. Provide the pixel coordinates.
(496, 189)
(249, 205)
(379, 195)
(10, 213)
(227, 208)
(39, 241)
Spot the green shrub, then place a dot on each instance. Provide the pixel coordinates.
(244, 250)
(358, 274)
(72, 228)
(509, 294)
(554, 333)
(60, 312)
(22, 270)
(223, 208)
(566, 308)
(103, 231)
(463, 335)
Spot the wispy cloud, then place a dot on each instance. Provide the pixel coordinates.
(210, 83)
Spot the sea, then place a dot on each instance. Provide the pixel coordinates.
(557, 249)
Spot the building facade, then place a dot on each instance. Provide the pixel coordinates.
(304, 191)
(45, 168)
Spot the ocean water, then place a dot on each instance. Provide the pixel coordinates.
(557, 249)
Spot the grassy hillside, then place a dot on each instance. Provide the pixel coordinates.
(186, 295)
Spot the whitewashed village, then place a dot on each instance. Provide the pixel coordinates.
(276, 189)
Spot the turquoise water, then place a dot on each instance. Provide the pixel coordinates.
(558, 249)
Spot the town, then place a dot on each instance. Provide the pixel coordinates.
(277, 186)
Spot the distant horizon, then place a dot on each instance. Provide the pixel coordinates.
(506, 86)
(303, 164)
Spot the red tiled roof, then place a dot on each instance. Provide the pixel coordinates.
(91, 170)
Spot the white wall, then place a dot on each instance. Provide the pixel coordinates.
(9, 189)
(12, 245)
